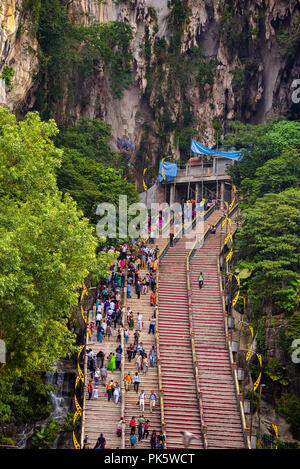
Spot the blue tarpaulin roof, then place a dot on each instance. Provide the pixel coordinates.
(167, 171)
(200, 149)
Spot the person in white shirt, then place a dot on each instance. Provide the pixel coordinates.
(142, 401)
(98, 319)
(96, 393)
(152, 399)
(116, 394)
(139, 321)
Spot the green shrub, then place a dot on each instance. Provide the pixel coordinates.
(289, 406)
(7, 76)
(46, 437)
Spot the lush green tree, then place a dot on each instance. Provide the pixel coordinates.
(91, 139)
(289, 406)
(91, 172)
(276, 175)
(270, 243)
(259, 143)
(47, 248)
(68, 53)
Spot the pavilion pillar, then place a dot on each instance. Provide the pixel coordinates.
(172, 194)
(197, 190)
(222, 194)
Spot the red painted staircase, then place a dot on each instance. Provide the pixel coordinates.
(181, 405)
(221, 414)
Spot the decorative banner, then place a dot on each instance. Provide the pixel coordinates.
(275, 430)
(83, 315)
(276, 433)
(257, 382)
(162, 173)
(235, 298)
(229, 236)
(231, 205)
(251, 346)
(76, 444)
(229, 255)
(84, 290)
(145, 187)
(249, 352)
(125, 146)
(255, 385)
(225, 220)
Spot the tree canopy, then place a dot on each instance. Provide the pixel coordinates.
(47, 248)
(91, 172)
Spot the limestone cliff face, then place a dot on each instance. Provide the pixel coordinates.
(18, 49)
(246, 70)
(249, 84)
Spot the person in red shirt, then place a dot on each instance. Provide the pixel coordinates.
(146, 431)
(90, 390)
(132, 425)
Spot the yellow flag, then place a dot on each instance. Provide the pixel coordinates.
(225, 220)
(162, 173)
(242, 321)
(249, 352)
(229, 255)
(76, 444)
(229, 236)
(83, 315)
(259, 359)
(257, 382)
(144, 184)
(275, 429)
(235, 298)
(231, 205)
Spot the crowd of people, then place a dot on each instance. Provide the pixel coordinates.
(111, 318)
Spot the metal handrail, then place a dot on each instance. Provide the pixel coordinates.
(161, 254)
(195, 361)
(158, 359)
(123, 391)
(239, 395)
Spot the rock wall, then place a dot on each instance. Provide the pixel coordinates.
(18, 48)
(252, 74)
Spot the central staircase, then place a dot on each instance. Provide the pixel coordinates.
(181, 405)
(221, 415)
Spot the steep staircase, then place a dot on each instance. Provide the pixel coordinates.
(102, 416)
(221, 415)
(181, 406)
(149, 381)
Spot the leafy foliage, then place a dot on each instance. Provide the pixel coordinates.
(69, 52)
(46, 437)
(90, 171)
(260, 143)
(270, 240)
(47, 249)
(7, 76)
(289, 406)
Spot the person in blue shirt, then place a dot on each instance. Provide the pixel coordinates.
(133, 440)
(152, 356)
